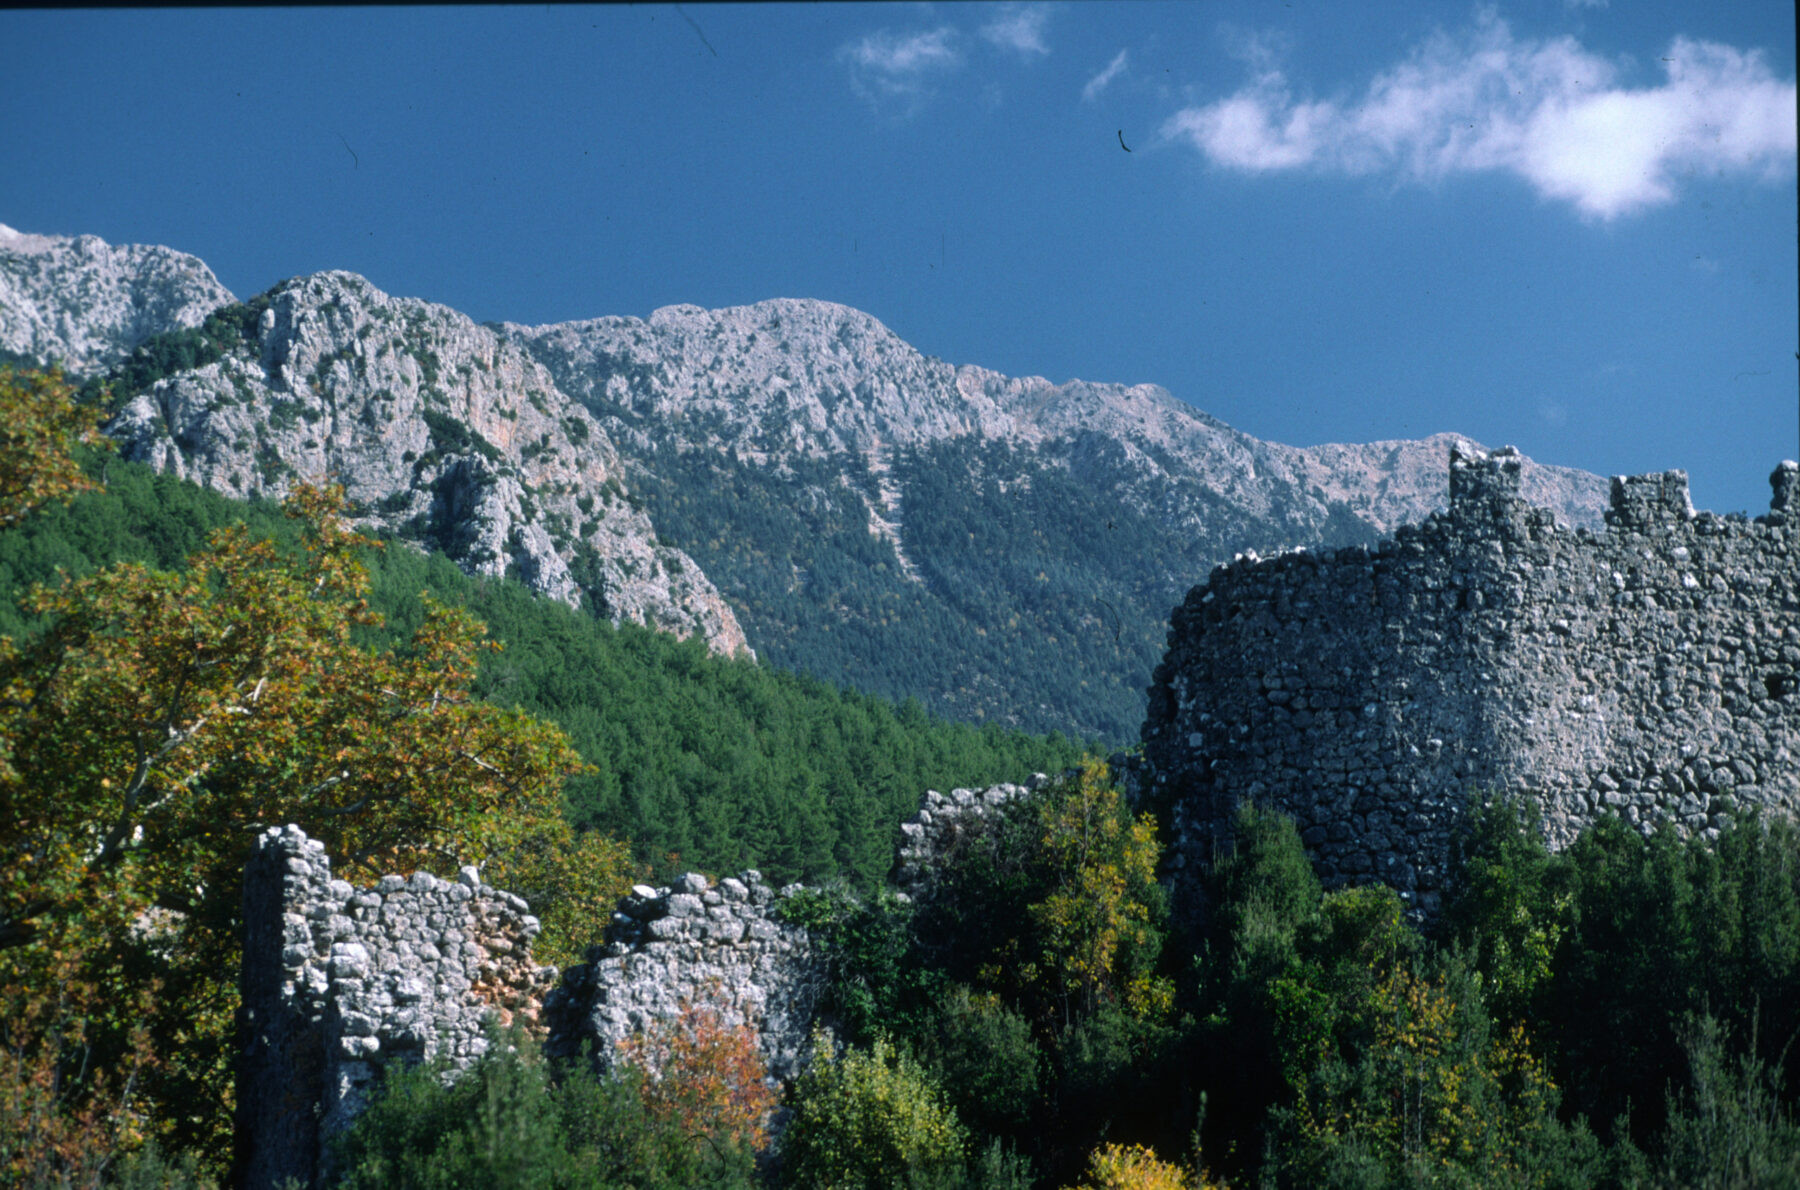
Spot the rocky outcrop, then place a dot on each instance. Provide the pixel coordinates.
(1648, 669)
(796, 457)
(83, 303)
(828, 429)
(440, 430)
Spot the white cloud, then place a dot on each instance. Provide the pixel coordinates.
(1104, 79)
(1020, 28)
(891, 67)
(1547, 111)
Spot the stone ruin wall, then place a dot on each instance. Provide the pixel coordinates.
(941, 823)
(339, 982)
(695, 943)
(1648, 669)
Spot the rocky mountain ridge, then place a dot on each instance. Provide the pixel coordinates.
(439, 430)
(86, 303)
(802, 376)
(832, 433)
(788, 475)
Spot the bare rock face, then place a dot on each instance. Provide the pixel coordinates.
(1030, 522)
(439, 430)
(86, 304)
(793, 377)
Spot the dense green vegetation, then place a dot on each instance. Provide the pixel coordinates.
(1622, 1013)
(1041, 582)
(702, 762)
(1313, 1038)
(225, 330)
(514, 1120)
(184, 670)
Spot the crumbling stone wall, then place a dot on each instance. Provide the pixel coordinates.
(338, 982)
(1648, 669)
(693, 942)
(942, 822)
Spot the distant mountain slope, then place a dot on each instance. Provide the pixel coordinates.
(1005, 549)
(999, 546)
(701, 762)
(86, 304)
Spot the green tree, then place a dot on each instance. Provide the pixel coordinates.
(868, 1119)
(1728, 1128)
(515, 1122)
(1261, 893)
(1510, 901)
(160, 721)
(1397, 1075)
(41, 429)
(1099, 924)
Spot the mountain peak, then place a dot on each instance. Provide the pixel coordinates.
(84, 303)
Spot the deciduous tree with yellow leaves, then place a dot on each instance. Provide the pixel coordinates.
(161, 720)
(1097, 932)
(40, 428)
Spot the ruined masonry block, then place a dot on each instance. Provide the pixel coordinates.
(339, 982)
(1652, 669)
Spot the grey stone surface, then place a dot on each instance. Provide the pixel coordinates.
(1648, 668)
(86, 303)
(943, 823)
(438, 428)
(692, 943)
(337, 982)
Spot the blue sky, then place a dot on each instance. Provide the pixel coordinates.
(1568, 226)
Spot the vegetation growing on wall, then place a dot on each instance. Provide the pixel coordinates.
(1319, 1040)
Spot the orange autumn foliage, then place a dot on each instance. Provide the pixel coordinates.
(704, 1077)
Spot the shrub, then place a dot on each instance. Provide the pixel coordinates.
(1728, 1129)
(704, 1078)
(868, 1118)
(1132, 1167)
(1510, 901)
(512, 1120)
(986, 1059)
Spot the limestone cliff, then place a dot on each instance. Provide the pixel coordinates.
(1001, 547)
(792, 377)
(438, 429)
(85, 303)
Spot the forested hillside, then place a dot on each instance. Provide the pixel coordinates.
(706, 762)
(788, 476)
(1020, 597)
(1002, 548)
